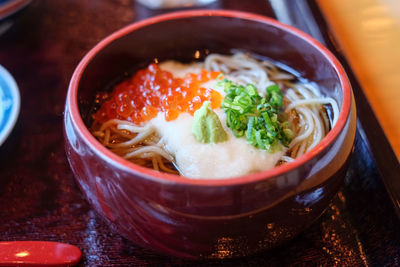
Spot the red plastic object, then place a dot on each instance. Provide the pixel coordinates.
(38, 253)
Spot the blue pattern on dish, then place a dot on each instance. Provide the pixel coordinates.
(6, 103)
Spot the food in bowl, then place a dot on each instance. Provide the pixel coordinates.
(227, 116)
(207, 217)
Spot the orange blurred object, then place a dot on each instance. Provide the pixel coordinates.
(368, 31)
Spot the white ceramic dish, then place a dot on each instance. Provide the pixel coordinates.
(9, 103)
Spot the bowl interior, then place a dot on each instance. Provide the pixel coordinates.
(191, 35)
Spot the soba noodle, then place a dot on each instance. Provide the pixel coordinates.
(303, 105)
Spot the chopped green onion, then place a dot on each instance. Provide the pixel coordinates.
(274, 94)
(256, 117)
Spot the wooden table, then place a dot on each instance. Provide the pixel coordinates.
(39, 199)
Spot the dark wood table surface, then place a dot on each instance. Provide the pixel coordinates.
(39, 199)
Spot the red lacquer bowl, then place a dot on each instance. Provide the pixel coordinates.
(207, 218)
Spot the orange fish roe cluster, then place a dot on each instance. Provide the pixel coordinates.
(151, 90)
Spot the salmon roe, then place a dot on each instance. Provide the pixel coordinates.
(151, 90)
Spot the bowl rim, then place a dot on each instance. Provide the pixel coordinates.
(113, 159)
